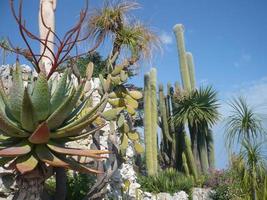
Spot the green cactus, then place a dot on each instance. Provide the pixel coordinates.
(191, 69)
(179, 33)
(147, 126)
(202, 150)
(190, 158)
(154, 116)
(210, 149)
(185, 166)
(163, 114)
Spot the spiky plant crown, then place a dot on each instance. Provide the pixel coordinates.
(197, 107)
(38, 120)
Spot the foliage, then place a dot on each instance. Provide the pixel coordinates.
(168, 180)
(78, 185)
(243, 124)
(95, 57)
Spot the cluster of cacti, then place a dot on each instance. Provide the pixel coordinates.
(151, 122)
(201, 137)
(176, 149)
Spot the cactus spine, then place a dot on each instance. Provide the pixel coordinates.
(191, 69)
(179, 33)
(150, 122)
(154, 116)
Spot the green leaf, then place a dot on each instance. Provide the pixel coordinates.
(40, 135)
(75, 130)
(79, 152)
(41, 98)
(124, 142)
(11, 129)
(26, 163)
(16, 93)
(133, 135)
(19, 149)
(27, 118)
(63, 111)
(112, 113)
(45, 155)
(60, 91)
(138, 148)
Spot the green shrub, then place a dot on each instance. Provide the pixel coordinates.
(168, 180)
(78, 185)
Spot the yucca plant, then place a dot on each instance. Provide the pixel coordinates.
(199, 109)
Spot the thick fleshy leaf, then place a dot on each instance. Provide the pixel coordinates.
(89, 71)
(60, 92)
(136, 94)
(61, 113)
(3, 98)
(11, 129)
(55, 119)
(41, 98)
(41, 135)
(75, 130)
(112, 113)
(16, 93)
(26, 163)
(45, 155)
(131, 101)
(74, 165)
(79, 152)
(86, 116)
(124, 142)
(83, 135)
(27, 118)
(17, 150)
(133, 135)
(138, 148)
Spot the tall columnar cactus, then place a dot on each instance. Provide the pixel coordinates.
(154, 116)
(191, 69)
(190, 157)
(202, 150)
(210, 149)
(147, 126)
(163, 114)
(179, 33)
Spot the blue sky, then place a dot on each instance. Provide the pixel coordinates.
(226, 37)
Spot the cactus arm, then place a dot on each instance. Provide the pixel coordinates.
(191, 69)
(179, 33)
(163, 113)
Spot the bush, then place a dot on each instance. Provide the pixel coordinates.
(168, 180)
(227, 185)
(78, 185)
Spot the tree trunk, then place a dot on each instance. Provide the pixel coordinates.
(61, 184)
(30, 185)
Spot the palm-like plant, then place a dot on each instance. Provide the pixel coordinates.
(111, 21)
(199, 109)
(254, 167)
(243, 124)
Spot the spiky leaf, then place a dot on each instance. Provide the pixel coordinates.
(41, 98)
(20, 149)
(41, 135)
(26, 163)
(27, 113)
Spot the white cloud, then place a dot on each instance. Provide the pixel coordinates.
(166, 38)
(243, 60)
